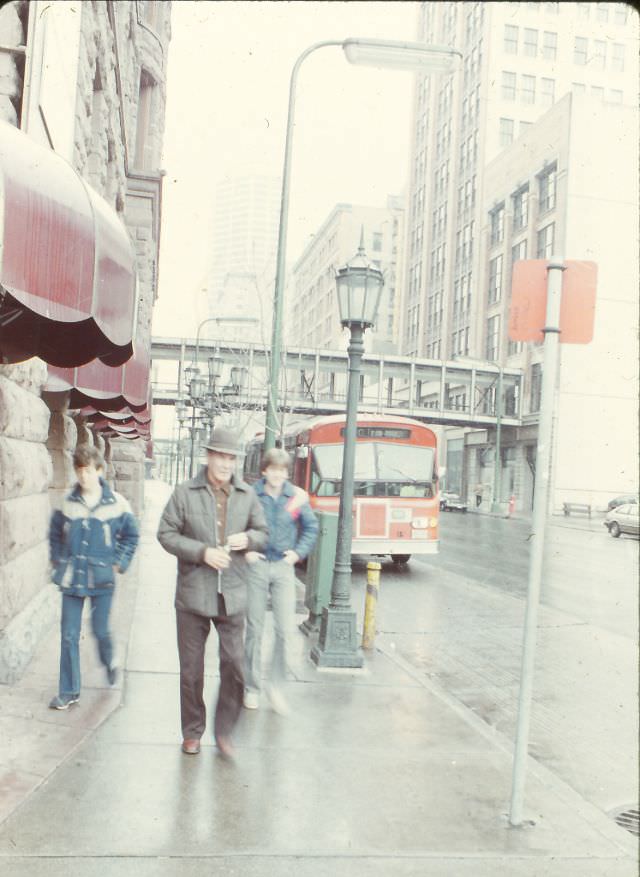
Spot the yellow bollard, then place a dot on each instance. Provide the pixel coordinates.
(371, 605)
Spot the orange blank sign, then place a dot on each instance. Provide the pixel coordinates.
(529, 301)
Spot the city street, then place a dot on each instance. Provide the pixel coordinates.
(401, 768)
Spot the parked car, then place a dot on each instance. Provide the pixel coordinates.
(621, 500)
(450, 502)
(623, 519)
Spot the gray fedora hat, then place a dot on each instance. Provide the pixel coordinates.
(225, 441)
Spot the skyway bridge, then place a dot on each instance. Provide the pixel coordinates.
(313, 382)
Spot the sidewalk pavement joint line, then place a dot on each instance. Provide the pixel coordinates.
(595, 817)
(498, 856)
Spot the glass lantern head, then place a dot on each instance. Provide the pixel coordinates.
(215, 368)
(359, 287)
(239, 376)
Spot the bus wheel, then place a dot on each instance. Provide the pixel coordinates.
(400, 558)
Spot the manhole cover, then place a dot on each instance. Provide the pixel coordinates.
(628, 818)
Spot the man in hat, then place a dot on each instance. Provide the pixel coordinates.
(209, 523)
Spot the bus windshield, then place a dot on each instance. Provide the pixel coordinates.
(381, 469)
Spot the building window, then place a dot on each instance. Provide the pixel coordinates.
(523, 127)
(506, 131)
(535, 395)
(545, 241)
(549, 45)
(578, 88)
(521, 208)
(620, 13)
(518, 252)
(496, 223)
(615, 96)
(528, 89)
(580, 49)
(377, 241)
(493, 338)
(508, 85)
(599, 59)
(547, 91)
(143, 155)
(617, 57)
(597, 92)
(530, 42)
(514, 347)
(547, 189)
(511, 39)
(602, 13)
(495, 279)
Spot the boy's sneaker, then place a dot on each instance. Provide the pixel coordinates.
(112, 674)
(278, 703)
(251, 700)
(63, 702)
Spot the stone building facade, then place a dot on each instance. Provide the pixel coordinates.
(88, 80)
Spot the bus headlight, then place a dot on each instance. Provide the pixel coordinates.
(433, 522)
(420, 523)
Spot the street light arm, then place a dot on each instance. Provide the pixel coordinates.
(219, 320)
(389, 53)
(276, 329)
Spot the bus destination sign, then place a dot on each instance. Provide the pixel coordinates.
(387, 432)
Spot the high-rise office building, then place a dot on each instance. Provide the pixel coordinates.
(518, 60)
(493, 150)
(313, 309)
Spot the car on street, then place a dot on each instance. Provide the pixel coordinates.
(623, 519)
(450, 502)
(621, 500)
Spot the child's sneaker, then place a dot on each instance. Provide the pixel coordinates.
(251, 700)
(278, 703)
(112, 674)
(63, 701)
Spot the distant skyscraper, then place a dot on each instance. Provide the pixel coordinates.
(245, 234)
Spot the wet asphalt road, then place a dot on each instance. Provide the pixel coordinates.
(586, 572)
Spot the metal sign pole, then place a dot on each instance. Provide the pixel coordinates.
(549, 370)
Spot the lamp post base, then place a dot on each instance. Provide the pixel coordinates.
(338, 642)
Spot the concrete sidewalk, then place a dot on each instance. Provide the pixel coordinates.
(376, 772)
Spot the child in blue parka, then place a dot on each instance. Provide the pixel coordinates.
(92, 537)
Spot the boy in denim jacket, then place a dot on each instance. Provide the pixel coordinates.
(293, 529)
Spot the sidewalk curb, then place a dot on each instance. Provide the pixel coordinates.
(595, 817)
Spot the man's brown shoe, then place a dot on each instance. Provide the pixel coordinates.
(225, 746)
(191, 747)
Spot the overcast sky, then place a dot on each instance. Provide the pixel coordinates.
(228, 79)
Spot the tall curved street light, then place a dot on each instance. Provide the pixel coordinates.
(395, 54)
(196, 383)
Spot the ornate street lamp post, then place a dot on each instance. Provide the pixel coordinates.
(182, 414)
(359, 287)
(200, 394)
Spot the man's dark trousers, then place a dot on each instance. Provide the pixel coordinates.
(193, 631)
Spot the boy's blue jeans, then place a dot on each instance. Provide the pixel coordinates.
(278, 577)
(70, 638)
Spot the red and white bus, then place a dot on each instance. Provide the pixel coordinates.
(396, 503)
